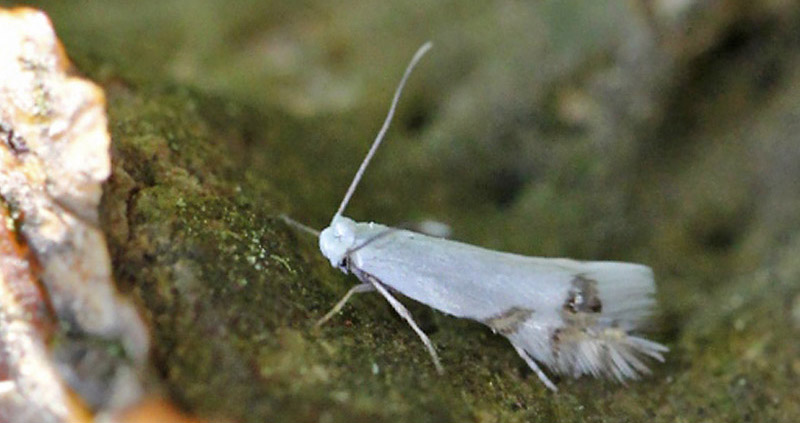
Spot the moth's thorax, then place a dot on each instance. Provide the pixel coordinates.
(337, 239)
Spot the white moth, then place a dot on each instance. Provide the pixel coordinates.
(573, 317)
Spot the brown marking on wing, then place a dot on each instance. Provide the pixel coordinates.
(583, 297)
(508, 321)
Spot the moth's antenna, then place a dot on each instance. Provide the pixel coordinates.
(375, 144)
(298, 225)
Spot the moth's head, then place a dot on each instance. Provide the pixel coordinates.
(337, 239)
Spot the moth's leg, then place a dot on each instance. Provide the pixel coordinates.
(363, 287)
(532, 364)
(403, 312)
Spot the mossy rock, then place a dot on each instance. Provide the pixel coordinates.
(559, 128)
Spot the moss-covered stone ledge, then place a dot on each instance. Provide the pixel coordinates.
(590, 134)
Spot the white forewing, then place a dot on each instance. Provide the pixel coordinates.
(477, 283)
(457, 278)
(572, 316)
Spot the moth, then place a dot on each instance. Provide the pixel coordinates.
(574, 317)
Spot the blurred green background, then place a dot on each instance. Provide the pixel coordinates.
(665, 132)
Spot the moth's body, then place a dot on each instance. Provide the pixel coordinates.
(480, 281)
(574, 317)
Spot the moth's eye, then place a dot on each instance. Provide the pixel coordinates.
(343, 263)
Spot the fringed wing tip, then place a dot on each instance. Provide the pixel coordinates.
(611, 354)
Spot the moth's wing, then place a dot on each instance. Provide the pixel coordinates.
(572, 316)
(477, 283)
(457, 278)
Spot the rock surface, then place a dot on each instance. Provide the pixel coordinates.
(54, 156)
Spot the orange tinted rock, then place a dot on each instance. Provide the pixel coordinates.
(153, 410)
(30, 387)
(54, 264)
(53, 159)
